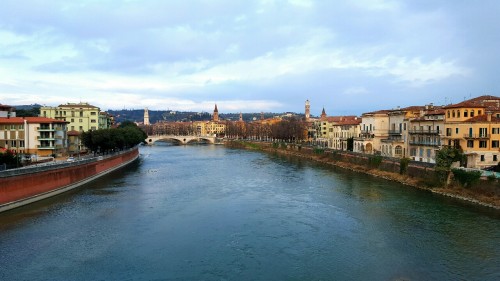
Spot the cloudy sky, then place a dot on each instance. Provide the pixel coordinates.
(251, 56)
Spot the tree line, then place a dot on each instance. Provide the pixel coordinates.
(127, 135)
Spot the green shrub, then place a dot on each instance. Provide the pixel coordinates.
(283, 145)
(403, 165)
(276, 145)
(318, 151)
(466, 178)
(375, 160)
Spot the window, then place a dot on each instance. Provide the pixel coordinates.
(470, 143)
(72, 120)
(472, 113)
(72, 128)
(21, 143)
(483, 132)
(466, 113)
(453, 113)
(81, 128)
(93, 113)
(458, 113)
(482, 158)
(482, 144)
(479, 112)
(448, 114)
(456, 131)
(495, 131)
(92, 128)
(81, 114)
(398, 150)
(494, 144)
(495, 158)
(428, 153)
(448, 132)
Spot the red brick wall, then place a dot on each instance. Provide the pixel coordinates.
(23, 186)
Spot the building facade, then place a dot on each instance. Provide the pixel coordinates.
(81, 117)
(34, 135)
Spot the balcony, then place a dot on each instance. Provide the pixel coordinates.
(45, 129)
(425, 132)
(47, 138)
(425, 143)
(476, 136)
(392, 140)
(394, 132)
(45, 147)
(365, 136)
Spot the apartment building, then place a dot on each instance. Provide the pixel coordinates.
(374, 127)
(341, 129)
(33, 135)
(81, 117)
(474, 126)
(425, 134)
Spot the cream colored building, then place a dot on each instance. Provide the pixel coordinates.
(34, 135)
(373, 128)
(81, 117)
(425, 134)
(341, 129)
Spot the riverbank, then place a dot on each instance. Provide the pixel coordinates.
(26, 185)
(485, 193)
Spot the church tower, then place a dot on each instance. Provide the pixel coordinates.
(308, 111)
(323, 114)
(146, 116)
(215, 117)
(241, 117)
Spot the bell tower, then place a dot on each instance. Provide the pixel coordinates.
(215, 117)
(308, 111)
(146, 116)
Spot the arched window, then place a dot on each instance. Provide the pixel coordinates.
(448, 113)
(453, 113)
(458, 113)
(398, 150)
(466, 113)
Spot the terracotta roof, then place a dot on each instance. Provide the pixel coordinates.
(378, 112)
(481, 101)
(30, 120)
(73, 133)
(4, 107)
(483, 118)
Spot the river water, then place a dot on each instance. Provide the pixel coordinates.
(213, 213)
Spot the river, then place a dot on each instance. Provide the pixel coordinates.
(211, 213)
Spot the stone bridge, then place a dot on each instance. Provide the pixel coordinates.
(179, 139)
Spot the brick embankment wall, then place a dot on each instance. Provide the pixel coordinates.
(19, 187)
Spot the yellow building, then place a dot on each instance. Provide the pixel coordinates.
(215, 127)
(474, 126)
(81, 117)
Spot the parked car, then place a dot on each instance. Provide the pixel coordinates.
(70, 159)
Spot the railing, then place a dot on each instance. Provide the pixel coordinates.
(45, 138)
(58, 164)
(394, 132)
(423, 132)
(45, 147)
(392, 140)
(476, 136)
(47, 129)
(425, 143)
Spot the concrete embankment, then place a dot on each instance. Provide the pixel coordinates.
(415, 174)
(19, 187)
